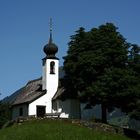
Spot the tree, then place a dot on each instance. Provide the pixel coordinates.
(5, 113)
(97, 65)
(134, 64)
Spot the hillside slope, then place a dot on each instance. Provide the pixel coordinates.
(54, 130)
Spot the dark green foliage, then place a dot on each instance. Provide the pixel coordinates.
(97, 64)
(134, 64)
(4, 113)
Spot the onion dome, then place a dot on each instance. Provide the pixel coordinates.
(50, 49)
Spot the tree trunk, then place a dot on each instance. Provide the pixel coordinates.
(104, 114)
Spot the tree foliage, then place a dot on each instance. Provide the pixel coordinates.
(98, 66)
(134, 64)
(5, 113)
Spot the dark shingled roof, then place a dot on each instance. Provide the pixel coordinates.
(29, 93)
(65, 91)
(59, 93)
(33, 90)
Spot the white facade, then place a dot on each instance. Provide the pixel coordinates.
(50, 84)
(70, 108)
(50, 81)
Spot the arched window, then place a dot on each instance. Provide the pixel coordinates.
(52, 67)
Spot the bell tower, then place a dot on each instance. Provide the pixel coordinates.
(50, 67)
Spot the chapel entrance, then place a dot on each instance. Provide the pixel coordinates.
(40, 111)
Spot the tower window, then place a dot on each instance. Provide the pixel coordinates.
(52, 67)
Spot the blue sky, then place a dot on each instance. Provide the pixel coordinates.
(24, 30)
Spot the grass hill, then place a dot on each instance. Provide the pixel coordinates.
(54, 130)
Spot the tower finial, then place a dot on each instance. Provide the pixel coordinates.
(50, 49)
(50, 30)
(50, 24)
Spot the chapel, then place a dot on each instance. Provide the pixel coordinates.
(50, 95)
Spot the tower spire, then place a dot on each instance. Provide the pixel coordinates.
(50, 49)
(50, 30)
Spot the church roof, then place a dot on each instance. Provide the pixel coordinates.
(59, 93)
(65, 91)
(30, 92)
(33, 90)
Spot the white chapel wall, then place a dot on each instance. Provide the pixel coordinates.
(50, 83)
(42, 101)
(52, 79)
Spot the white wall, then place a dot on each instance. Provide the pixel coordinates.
(45, 100)
(50, 83)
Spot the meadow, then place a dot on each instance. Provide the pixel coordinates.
(54, 130)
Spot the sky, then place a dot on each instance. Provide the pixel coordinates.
(24, 30)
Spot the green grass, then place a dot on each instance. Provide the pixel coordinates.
(54, 130)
